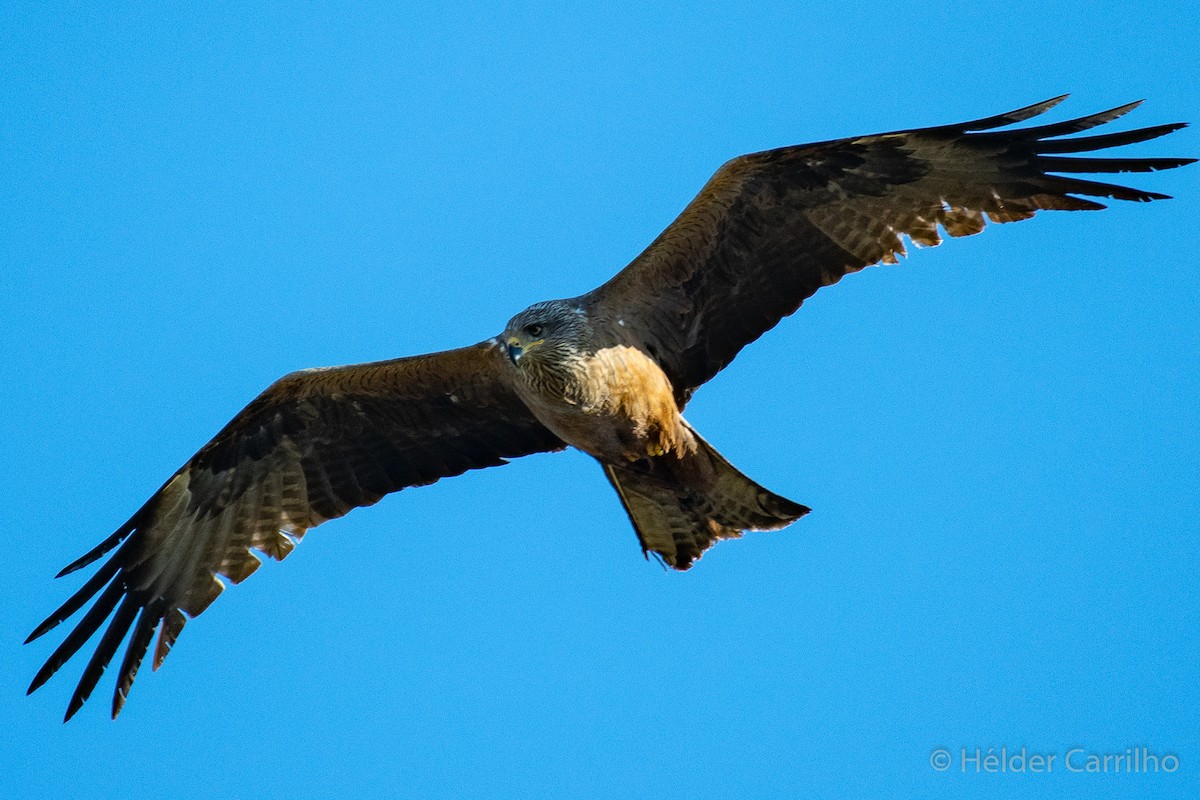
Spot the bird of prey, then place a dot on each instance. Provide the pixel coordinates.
(608, 372)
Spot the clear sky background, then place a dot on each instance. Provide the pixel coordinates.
(999, 437)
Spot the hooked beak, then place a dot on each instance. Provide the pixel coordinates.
(512, 349)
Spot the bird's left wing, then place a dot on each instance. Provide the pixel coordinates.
(769, 229)
(310, 448)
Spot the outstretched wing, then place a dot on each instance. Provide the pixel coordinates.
(310, 448)
(770, 229)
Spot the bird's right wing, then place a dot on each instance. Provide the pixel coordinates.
(310, 448)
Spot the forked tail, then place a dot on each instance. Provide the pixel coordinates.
(681, 507)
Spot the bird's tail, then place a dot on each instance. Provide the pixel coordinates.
(681, 506)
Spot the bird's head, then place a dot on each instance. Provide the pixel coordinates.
(547, 336)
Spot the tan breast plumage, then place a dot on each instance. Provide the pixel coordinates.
(617, 405)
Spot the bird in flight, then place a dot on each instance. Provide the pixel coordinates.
(608, 372)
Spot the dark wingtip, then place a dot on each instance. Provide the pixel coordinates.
(1009, 117)
(48, 624)
(1076, 125)
(112, 541)
(72, 707)
(1125, 109)
(90, 556)
(1111, 114)
(1157, 164)
(77, 600)
(135, 651)
(1046, 105)
(1039, 108)
(109, 642)
(1080, 144)
(39, 679)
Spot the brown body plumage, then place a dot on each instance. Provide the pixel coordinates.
(608, 372)
(599, 392)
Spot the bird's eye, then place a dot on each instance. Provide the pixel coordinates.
(534, 329)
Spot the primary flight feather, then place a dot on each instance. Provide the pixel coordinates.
(608, 372)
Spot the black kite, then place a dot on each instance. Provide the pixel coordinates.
(608, 372)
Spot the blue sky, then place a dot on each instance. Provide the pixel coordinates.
(999, 437)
